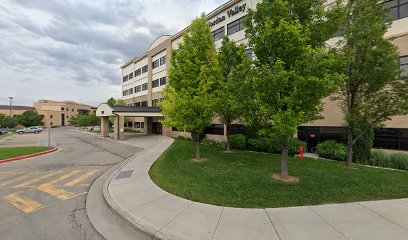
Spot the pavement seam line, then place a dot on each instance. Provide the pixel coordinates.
(218, 222)
(385, 218)
(273, 225)
(172, 220)
(331, 225)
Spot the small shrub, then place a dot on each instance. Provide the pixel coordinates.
(362, 148)
(380, 159)
(294, 145)
(260, 145)
(399, 161)
(211, 142)
(332, 150)
(238, 141)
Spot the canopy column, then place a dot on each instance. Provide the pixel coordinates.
(105, 126)
(119, 133)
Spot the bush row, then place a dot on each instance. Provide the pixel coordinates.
(337, 151)
(268, 145)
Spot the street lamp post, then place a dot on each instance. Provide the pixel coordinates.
(11, 99)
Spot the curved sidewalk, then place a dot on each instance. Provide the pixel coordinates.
(132, 194)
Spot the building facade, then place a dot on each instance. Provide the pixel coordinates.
(144, 77)
(56, 113)
(15, 110)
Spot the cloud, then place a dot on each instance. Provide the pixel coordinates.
(73, 50)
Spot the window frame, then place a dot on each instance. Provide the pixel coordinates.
(235, 23)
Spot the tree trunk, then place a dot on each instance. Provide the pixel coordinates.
(284, 161)
(228, 136)
(197, 150)
(350, 144)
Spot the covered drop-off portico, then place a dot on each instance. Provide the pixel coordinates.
(148, 114)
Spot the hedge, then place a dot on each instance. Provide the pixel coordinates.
(332, 150)
(272, 146)
(238, 141)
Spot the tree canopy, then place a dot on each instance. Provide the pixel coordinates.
(30, 118)
(194, 75)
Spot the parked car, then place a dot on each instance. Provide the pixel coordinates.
(34, 129)
(2, 131)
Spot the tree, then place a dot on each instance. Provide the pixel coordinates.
(30, 118)
(372, 92)
(293, 68)
(85, 120)
(235, 68)
(111, 102)
(194, 75)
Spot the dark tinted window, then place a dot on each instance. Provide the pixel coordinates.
(218, 34)
(236, 26)
(163, 81)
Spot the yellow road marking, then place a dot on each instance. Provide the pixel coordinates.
(59, 193)
(8, 174)
(24, 204)
(80, 179)
(17, 179)
(27, 184)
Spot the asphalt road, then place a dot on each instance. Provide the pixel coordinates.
(44, 197)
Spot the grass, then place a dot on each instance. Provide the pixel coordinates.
(243, 179)
(6, 153)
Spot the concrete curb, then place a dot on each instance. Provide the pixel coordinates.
(30, 156)
(140, 226)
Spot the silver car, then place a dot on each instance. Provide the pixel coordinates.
(34, 129)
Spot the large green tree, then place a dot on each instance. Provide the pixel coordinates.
(229, 98)
(294, 69)
(30, 118)
(85, 120)
(194, 75)
(372, 92)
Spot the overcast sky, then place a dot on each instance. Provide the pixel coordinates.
(73, 49)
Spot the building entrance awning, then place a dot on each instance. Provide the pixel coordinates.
(104, 110)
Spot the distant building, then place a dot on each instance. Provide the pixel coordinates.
(58, 113)
(15, 110)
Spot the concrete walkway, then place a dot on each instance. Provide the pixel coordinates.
(133, 195)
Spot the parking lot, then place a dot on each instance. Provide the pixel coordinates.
(25, 140)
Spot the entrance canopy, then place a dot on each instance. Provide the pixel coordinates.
(104, 110)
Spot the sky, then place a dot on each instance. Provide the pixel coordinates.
(73, 49)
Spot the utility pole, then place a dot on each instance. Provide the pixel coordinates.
(11, 99)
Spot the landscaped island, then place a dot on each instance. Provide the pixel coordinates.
(6, 153)
(243, 179)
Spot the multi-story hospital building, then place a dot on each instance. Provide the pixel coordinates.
(144, 77)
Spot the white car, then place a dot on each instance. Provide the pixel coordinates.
(34, 129)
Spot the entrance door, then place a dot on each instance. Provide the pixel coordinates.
(157, 128)
(62, 119)
(312, 138)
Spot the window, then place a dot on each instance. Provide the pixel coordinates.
(138, 88)
(145, 86)
(144, 104)
(125, 78)
(250, 54)
(155, 102)
(162, 60)
(138, 72)
(155, 64)
(73, 110)
(163, 81)
(155, 83)
(218, 34)
(235, 26)
(142, 125)
(67, 109)
(130, 75)
(161, 99)
(137, 124)
(62, 109)
(137, 104)
(404, 66)
(131, 91)
(51, 123)
(144, 69)
(50, 116)
(398, 8)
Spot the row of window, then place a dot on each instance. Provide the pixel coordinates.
(404, 65)
(159, 82)
(128, 92)
(398, 8)
(232, 28)
(159, 62)
(141, 104)
(138, 72)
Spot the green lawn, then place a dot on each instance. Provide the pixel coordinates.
(243, 179)
(6, 153)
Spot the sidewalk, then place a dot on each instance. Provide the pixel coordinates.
(133, 195)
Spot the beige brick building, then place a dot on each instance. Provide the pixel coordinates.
(144, 77)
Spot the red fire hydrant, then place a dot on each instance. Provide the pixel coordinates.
(301, 151)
